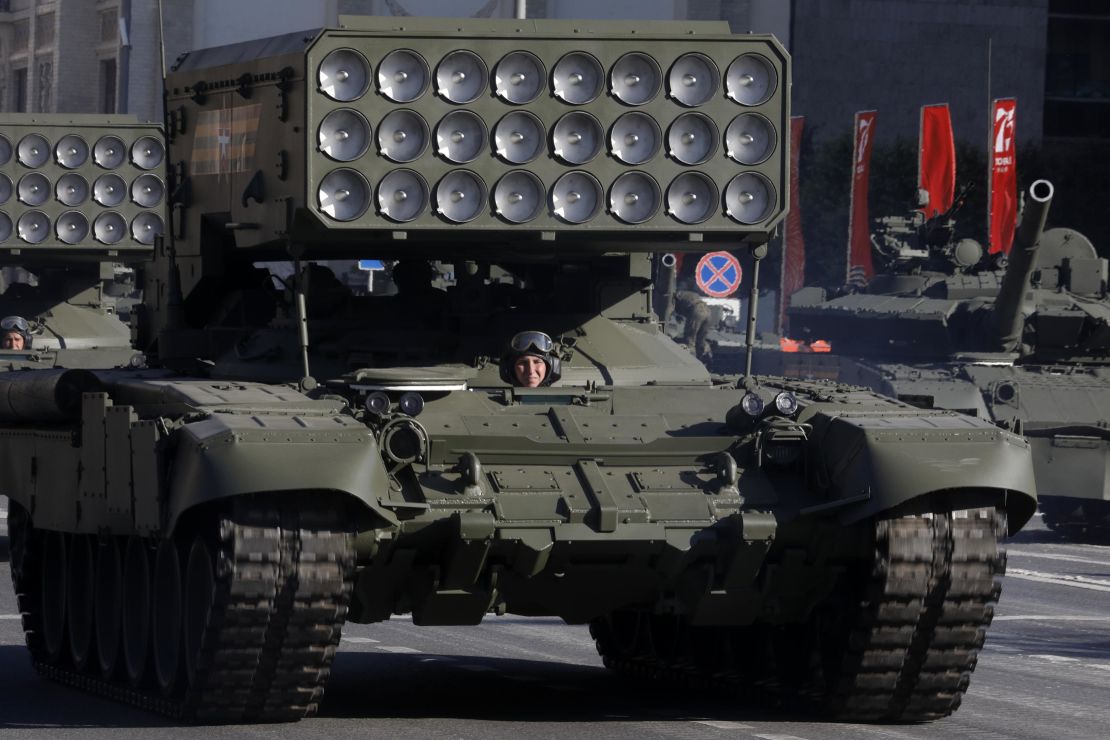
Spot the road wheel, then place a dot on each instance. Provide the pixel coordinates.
(26, 545)
(135, 615)
(81, 598)
(166, 620)
(667, 634)
(53, 589)
(622, 634)
(108, 597)
(200, 588)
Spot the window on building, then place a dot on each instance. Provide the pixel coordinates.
(109, 26)
(45, 87)
(1077, 70)
(19, 90)
(44, 30)
(21, 32)
(107, 85)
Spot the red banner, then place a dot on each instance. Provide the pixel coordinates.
(936, 167)
(1003, 179)
(860, 268)
(794, 248)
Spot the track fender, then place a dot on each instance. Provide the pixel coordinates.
(233, 454)
(894, 465)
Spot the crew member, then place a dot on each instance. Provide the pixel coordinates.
(16, 333)
(530, 361)
(696, 315)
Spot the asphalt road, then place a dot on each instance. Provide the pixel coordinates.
(1045, 673)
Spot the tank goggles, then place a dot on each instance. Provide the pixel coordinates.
(17, 323)
(531, 340)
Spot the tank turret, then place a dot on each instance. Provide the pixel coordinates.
(913, 243)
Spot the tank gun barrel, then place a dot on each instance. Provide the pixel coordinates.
(1007, 315)
(957, 202)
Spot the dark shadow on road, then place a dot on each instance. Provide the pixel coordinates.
(4, 549)
(30, 702)
(505, 690)
(417, 686)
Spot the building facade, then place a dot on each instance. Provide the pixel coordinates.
(85, 56)
(890, 55)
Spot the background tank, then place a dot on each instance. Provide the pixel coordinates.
(297, 456)
(81, 199)
(1027, 345)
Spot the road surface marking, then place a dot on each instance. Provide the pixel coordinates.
(1071, 662)
(361, 640)
(1054, 556)
(397, 649)
(779, 737)
(1054, 658)
(1091, 584)
(723, 724)
(1052, 618)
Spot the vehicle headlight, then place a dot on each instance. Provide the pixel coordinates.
(411, 403)
(377, 403)
(752, 404)
(786, 403)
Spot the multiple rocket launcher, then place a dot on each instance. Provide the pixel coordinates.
(427, 131)
(482, 132)
(74, 186)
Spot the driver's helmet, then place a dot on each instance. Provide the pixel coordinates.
(534, 343)
(17, 324)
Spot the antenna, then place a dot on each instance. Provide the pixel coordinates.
(162, 48)
(758, 252)
(990, 142)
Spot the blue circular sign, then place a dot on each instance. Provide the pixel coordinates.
(718, 274)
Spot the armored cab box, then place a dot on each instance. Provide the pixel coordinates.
(296, 456)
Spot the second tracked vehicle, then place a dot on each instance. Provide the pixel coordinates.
(296, 457)
(1022, 341)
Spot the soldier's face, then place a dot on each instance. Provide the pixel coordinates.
(530, 371)
(12, 340)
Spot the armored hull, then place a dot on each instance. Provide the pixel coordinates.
(255, 521)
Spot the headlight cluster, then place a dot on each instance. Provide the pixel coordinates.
(779, 437)
(402, 438)
(379, 403)
(65, 183)
(785, 403)
(667, 133)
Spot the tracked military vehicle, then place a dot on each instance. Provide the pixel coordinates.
(1025, 344)
(81, 198)
(191, 537)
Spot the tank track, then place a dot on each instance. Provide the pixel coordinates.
(1080, 520)
(282, 587)
(896, 643)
